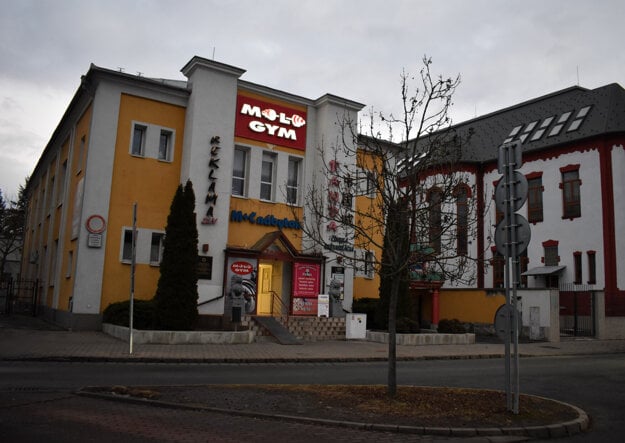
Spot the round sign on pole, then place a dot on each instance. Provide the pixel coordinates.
(520, 197)
(523, 235)
(503, 317)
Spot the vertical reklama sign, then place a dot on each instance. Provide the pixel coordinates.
(270, 122)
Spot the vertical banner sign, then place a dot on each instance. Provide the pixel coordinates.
(306, 279)
(247, 269)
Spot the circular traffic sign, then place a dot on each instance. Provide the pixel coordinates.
(95, 224)
(522, 231)
(504, 319)
(520, 188)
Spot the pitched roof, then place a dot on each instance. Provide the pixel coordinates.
(562, 117)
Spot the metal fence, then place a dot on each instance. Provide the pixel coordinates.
(577, 310)
(18, 296)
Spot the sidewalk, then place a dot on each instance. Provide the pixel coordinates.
(27, 338)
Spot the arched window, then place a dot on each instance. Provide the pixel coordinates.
(435, 197)
(462, 194)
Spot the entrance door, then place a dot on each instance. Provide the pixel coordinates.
(264, 289)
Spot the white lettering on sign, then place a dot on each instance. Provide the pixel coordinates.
(279, 130)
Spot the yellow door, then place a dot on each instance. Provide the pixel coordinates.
(264, 289)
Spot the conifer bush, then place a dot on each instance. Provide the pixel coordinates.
(176, 293)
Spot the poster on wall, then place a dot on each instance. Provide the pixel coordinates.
(247, 270)
(306, 278)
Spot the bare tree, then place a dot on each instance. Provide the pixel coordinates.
(418, 209)
(12, 219)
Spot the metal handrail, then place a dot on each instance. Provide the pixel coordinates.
(283, 308)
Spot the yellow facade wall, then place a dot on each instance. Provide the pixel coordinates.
(244, 234)
(76, 172)
(149, 182)
(471, 306)
(368, 214)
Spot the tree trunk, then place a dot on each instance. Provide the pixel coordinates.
(392, 338)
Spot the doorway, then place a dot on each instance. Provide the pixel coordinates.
(265, 285)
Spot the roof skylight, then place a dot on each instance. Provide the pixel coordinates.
(560, 124)
(579, 119)
(542, 128)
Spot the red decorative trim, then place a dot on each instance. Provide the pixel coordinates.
(532, 175)
(465, 187)
(609, 229)
(569, 168)
(575, 253)
(550, 243)
(591, 252)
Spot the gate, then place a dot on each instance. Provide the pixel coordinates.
(577, 311)
(18, 297)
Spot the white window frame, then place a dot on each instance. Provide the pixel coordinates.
(169, 139)
(244, 179)
(369, 266)
(161, 237)
(268, 158)
(126, 255)
(143, 128)
(295, 163)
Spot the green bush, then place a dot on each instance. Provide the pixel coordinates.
(453, 326)
(406, 325)
(119, 313)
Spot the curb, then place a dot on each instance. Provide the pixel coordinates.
(556, 430)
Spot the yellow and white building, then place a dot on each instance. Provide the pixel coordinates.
(250, 151)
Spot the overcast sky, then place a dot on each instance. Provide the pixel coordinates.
(505, 51)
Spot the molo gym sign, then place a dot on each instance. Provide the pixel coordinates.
(270, 122)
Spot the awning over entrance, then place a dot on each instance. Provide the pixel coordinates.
(544, 270)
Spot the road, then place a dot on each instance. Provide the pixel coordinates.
(594, 383)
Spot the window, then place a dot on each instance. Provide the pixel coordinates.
(127, 245)
(499, 215)
(164, 145)
(592, 267)
(498, 263)
(371, 184)
(369, 260)
(462, 220)
(81, 154)
(560, 124)
(571, 192)
(579, 119)
(527, 131)
(577, 267)
(523, 262)
(138, 140)
(266, 177)
(535, 198)
(70, 264)
(61, 185)
(292, 183)
(156, 248)
(435, 197)
(239, 171)
(551, 257)
(541, 129)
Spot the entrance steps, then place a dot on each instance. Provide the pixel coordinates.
(302, 328)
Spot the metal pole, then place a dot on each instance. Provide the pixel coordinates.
(515, 276)
(507, 222)
(132, 275)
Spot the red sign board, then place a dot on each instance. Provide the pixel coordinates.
(241, 268)
(305, 306)
(306, 280)
(271, 123)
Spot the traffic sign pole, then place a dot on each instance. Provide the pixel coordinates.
(512, 237)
